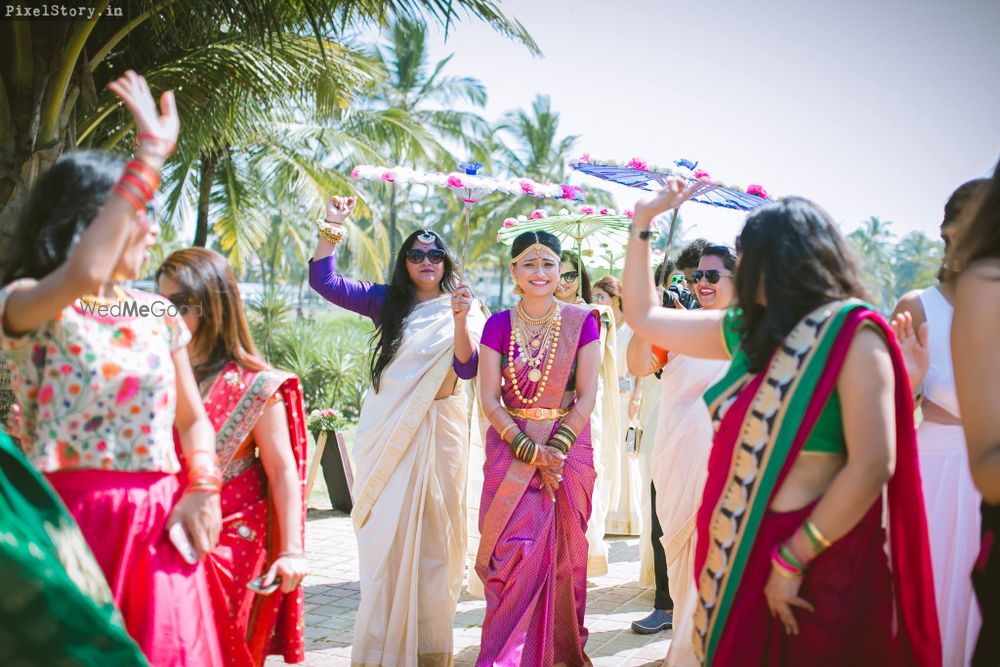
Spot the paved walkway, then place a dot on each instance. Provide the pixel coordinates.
(613, 602)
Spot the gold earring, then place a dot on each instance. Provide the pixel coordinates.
(517, 290)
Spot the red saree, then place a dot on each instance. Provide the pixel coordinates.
(870, 609)
(252, 626)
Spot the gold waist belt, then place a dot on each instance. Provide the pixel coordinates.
(537, 414)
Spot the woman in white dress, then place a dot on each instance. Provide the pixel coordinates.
(922, 321)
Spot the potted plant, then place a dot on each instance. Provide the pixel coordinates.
(335, 461)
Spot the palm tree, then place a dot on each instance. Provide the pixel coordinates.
(51, 70)
(874, 240)
(916, 261)
(425, 96)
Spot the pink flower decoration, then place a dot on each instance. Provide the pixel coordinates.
(528, 187)
(758, 190)
(129, 390)
(572, 192)
(638, 163)
(702, 175)
(603, 211)
(387, 177)
(455, 181)
(355, 173)
(537, 214)
(585, 157)
(509, 222)
(628, 213)
(587, 210)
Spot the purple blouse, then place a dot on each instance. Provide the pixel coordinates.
(366, 298)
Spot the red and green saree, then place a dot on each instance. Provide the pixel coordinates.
(871, 608)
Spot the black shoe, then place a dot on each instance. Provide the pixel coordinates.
(658, 620)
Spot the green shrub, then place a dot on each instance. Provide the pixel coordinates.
(328, 354)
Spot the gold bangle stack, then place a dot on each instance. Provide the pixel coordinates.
(334, 232)
(562, 439)
(524, 448)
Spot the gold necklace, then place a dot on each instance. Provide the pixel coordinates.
(534, 375)
(544, 320)
(92, 300)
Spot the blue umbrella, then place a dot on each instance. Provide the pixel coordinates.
(645, 179)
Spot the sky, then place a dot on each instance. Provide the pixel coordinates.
(877, 107)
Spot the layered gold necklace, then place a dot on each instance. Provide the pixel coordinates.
(536, 340)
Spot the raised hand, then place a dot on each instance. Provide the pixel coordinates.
(674, 192)
(913, 343)
(339, 208)
(158, 129)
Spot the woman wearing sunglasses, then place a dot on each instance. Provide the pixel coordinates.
(101, 386)
(813, 421)
(538, 383)
(412, 447)
(257, 414)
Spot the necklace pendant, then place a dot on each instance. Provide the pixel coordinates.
(535, 343)
(534, 375)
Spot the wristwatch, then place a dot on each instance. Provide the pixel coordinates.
(643, 234)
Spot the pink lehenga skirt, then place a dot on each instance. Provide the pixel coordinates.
(164, 600)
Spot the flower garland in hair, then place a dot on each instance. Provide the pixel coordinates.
(686, 169)
(468, 181)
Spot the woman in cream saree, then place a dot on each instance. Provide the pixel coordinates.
(411, 451)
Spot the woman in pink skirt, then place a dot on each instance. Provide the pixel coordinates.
(102, 377)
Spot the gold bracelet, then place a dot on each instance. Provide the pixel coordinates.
(811, 528)
(783, 572)
(507, 428)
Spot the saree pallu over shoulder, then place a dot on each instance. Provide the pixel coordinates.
(762, 422)
(391, 416)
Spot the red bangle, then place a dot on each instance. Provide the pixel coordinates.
(144, 186)
(128, 195)
(143, 169)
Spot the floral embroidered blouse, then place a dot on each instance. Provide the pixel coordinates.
(97, 392)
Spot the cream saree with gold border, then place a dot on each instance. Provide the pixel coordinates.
(411, 463)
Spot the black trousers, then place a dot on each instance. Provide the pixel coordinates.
(663, 600)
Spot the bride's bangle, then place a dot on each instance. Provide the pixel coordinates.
(334, 232)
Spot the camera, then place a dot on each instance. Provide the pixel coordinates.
(677, 295)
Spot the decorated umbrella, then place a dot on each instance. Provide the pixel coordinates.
(594, 233)
(469, 186)
(637, 173)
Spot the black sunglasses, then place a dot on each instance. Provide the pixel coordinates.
(713, 276)
(569, 276)
(180, 300)
(434, 256)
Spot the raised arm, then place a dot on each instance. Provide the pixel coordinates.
(694, 333)
(362, 297)
(977, 372)
(93, 260)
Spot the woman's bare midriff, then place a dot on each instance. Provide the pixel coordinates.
(447, 387)
(809, 478)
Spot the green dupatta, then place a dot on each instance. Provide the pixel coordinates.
(56, 607)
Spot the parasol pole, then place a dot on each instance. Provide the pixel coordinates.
(670, 243)
(468, 201)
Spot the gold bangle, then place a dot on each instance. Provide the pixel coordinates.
(507, 428)
(810, 527)
(783, 572)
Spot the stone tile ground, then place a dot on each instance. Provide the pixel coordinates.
(613, 602)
